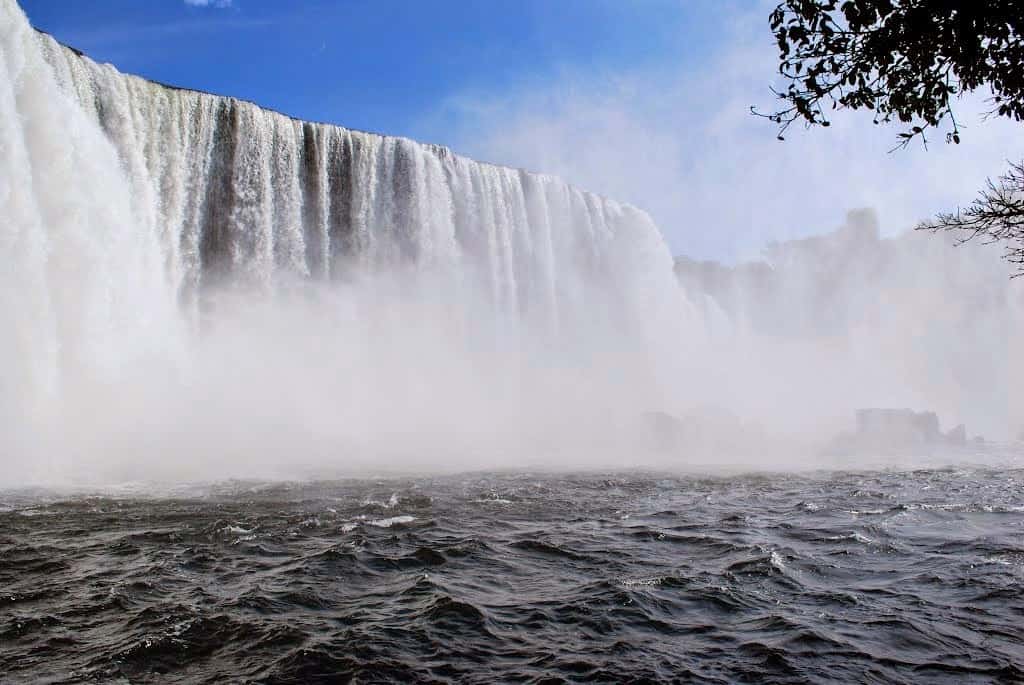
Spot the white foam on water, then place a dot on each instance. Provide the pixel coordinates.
(392, 521)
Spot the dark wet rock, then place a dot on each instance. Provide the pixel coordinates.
(898, 426)
(702, 430)
(957, 435)
(896, 431)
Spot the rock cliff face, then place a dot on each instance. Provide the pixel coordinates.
(884, 431)
(898, 426)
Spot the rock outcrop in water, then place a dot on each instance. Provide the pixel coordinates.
(706, 432)
(897, 431)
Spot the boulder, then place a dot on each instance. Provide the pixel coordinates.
(957, 436)
(889, 431)
(898, 427)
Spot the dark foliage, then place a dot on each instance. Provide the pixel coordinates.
(904, 59)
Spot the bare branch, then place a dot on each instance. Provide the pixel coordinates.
(997, 215)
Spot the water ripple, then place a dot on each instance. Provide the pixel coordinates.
(841, 577)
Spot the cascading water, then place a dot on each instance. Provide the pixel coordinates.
(237, 192)
(194, 275)
(82, 293)
(197, 287)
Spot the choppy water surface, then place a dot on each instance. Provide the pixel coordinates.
(866, 577)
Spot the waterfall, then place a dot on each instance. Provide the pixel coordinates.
(196, 287)
(195, 276)
(240, 193)
(82, 292)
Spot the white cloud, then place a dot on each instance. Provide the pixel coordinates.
(209, 3)
(682, 144)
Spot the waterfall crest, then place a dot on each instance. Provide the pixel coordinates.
(82, 292)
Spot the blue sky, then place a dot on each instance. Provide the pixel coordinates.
(646, 101)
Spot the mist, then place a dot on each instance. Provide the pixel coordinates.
(821, 297)
(228, 292)
(850, 319)
(202, 289)
(679, 141)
